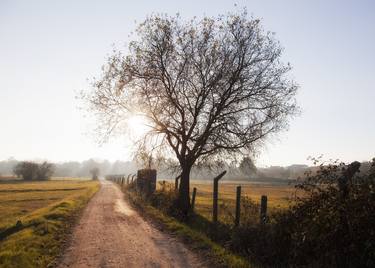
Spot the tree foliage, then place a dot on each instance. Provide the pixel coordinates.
(95, 173)
(33, 171)
(208, 88)
(247, 166)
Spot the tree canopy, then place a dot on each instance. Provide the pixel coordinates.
(208, 88)
(33, 171)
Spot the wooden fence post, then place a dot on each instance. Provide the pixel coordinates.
(193, 198)
(263, 209)
(238, 206)
(128, 179)
(215, 196)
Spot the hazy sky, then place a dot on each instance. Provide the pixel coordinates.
(48, 49)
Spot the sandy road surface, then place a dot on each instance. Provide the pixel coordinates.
(111, 234)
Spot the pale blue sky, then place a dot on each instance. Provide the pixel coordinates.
(49, 48)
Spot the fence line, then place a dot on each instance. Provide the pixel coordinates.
(121, 180)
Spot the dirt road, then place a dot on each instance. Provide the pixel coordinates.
(111, 234)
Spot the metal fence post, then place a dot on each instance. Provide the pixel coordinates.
(215, 196)
(263, 209)
(238, 206)
(193, 199)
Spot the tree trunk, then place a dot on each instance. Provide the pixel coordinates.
(184, 191)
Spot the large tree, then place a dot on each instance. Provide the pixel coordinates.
(33, 171)
(208, 88)
(247, 166)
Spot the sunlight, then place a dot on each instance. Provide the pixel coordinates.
(137, 126)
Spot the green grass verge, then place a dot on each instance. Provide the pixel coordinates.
(38, 238)
(218, 256)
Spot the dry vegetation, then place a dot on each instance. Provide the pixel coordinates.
(328, 224)
(36, 217)
(278, 195)
(198, 231)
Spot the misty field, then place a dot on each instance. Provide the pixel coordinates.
(36, 216)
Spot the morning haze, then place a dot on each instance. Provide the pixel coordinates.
(187, 134)
(48, 50)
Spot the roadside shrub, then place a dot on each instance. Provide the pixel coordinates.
(265, 244)
(331, 224)
(165, 198)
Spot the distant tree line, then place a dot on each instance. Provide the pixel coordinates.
(244, 170)
(72, 168)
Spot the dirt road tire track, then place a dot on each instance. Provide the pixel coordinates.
(111, 234)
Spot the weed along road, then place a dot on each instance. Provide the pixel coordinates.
(111, 234)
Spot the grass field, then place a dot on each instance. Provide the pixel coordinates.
(278, 196)
(44, 211)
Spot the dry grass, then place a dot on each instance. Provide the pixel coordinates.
(18, 199)
(278, 196)
(45, 209)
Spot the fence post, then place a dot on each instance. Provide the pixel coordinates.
(215, 196)
(193, 198)
(344, 231)
(238, 206)
(263, 209)
(176, 182)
